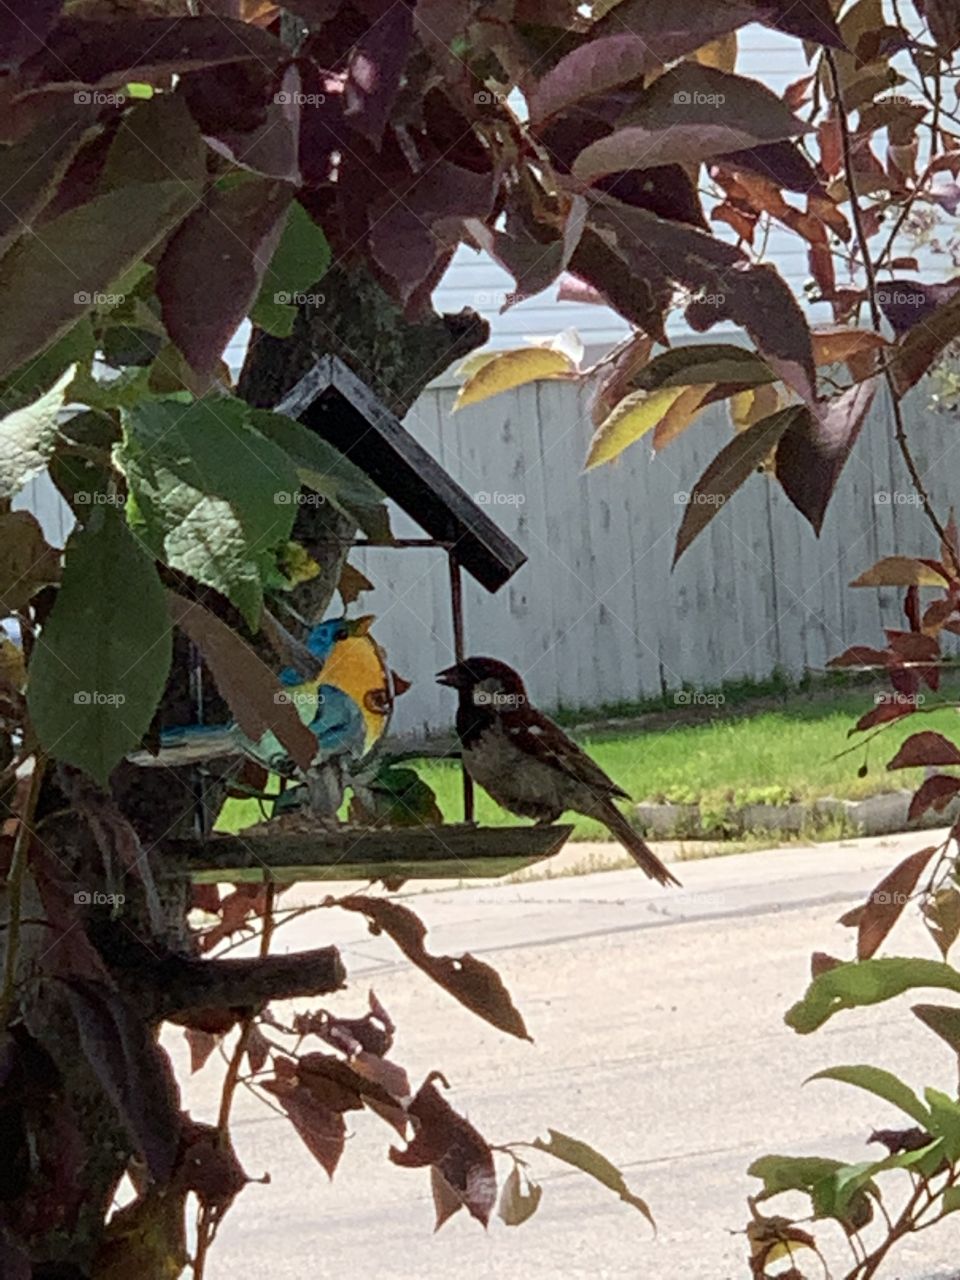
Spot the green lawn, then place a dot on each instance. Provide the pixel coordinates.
(763, 756)
(754, 754)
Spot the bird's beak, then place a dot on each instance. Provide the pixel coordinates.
(361, 626)
(450, 676)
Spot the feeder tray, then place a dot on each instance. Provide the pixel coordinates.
(457, 852)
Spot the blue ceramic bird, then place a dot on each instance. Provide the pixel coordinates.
(329, 712)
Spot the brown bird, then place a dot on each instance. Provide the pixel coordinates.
(528, 764)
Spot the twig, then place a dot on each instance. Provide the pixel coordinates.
(870, 273)
(208, 1219)
(18, 867)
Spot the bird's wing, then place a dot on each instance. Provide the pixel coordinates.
(536, 734)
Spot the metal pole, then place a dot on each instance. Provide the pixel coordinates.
(456, 606)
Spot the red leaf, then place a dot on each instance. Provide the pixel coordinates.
(813, 451)
(322, 1129)
(926, 748)
(454, 1148)
(860, 655)
(202, 1044)
(933, 793)
(913, 646)
(882, 712)
(476, 985)
(885, 904)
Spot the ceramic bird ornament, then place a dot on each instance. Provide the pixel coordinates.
(528, 764)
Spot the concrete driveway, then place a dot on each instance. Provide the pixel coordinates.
(657, 1019)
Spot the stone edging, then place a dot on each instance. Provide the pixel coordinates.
(876, 816)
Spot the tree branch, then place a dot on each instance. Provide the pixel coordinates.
(173, 986)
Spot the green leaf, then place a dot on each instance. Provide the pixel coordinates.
(76, 346)
(951, 1199)
(48, 281)
(28, 437)
(101, 662)
(944, 1121)
(584, 1157)
(328, 472)
(884, 1084)
(792, 1173)
(299, 261)
(850, 986)
(704, 363)
(519, 1199)
(942, 1019)
(212, 497)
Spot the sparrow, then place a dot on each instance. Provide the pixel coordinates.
(528, 764)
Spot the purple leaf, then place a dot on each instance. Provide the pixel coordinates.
(376, 66)
(725, 285)
(23, 30)
(814, 449)
(80, 51)
(782, 162)
(211, 270)
(806, 19)
(689, 114)
(907, 303)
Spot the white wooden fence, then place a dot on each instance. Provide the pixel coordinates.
(597, 616)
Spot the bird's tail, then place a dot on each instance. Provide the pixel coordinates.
(634, 843)
(190, 744)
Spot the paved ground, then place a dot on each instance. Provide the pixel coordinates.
(659, 1038)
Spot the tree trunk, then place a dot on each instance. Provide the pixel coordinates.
(63, 1145)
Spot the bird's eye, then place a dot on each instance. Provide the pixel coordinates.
(342, 633)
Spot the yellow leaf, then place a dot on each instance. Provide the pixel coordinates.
(669, 410)
(721, 53)
(508, 369)
(297, 564)
(474, 362)
(748, 407)
(900, 571)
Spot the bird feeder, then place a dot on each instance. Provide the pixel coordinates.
(341, 409)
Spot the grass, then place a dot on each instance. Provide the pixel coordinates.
(764, 744)
(748, 756)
